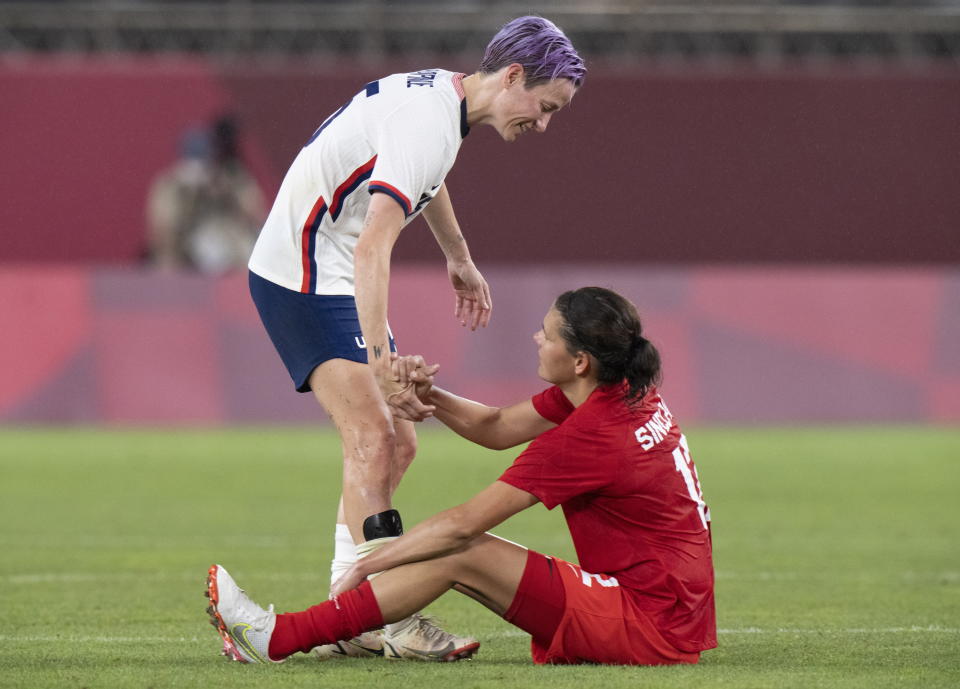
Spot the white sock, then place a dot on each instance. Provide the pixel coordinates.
(344, 553)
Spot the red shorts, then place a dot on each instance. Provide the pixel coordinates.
(591, 617)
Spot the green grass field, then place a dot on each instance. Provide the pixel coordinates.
(837, 555)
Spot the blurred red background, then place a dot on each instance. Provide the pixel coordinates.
(791, 235)
(837, 164)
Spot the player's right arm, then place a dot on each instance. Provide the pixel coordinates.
(442, 534)
(382, 226)
(497, 428)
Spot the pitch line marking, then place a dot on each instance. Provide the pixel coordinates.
(69, 639)
(915, 629)
(94, 577)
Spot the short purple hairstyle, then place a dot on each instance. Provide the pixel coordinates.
(539, 46)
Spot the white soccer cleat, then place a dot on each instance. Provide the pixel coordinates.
(419, 638)
(366, 645)
(243, 625)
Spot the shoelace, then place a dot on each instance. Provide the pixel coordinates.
(429, 629)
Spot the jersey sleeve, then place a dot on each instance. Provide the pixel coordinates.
(552, 405)
(411, 153)
(560, 465)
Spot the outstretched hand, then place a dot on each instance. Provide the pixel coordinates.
(474, 304)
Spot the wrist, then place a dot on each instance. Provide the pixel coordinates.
(362, 570)
(432, 397)
(378, 358)
(459, 261)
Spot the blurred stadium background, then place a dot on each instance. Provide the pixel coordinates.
(774, 183)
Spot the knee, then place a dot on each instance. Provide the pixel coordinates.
(371, 442)
(473, 556)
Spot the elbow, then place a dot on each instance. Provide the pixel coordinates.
(369, 259)
(496, 444)
(364, 250)
(494, 438)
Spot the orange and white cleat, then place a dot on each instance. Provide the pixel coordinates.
(243, 625)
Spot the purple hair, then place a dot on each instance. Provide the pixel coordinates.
(539, 46)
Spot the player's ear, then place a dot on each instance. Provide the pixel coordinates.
(582, 363)
(513, 75)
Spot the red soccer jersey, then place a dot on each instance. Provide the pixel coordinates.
(632, 501)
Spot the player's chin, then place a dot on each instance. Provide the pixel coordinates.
(511, 132)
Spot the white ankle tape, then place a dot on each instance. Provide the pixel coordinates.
(367, 547)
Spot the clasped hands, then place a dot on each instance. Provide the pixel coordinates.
(408, 387)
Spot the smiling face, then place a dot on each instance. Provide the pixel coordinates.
(557, 364)
(518, 109)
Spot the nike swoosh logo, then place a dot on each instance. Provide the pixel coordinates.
(368, 649)
(339, 649)
(433, 654)
(239, 634)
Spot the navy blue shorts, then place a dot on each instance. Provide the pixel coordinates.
(308, 329)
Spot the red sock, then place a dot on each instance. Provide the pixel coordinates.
(342, 617)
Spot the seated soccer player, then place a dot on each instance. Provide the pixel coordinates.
(608, 450)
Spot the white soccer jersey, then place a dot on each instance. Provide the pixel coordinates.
(400, 136)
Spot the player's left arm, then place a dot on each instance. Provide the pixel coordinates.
(443, 533)
(473, 302)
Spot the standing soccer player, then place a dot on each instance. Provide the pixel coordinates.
(320, 270)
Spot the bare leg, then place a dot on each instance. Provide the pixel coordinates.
(489, 570)
(345, 554)
(349, 394)
(404, 452)
(403, 455)
(376, 454)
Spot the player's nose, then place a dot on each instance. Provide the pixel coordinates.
(541, 124)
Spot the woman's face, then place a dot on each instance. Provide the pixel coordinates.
(556, 363)
(519, 109)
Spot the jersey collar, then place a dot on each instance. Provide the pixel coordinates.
(458, 87)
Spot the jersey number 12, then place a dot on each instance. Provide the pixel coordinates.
(681, 458)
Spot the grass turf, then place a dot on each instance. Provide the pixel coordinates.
(837, 554)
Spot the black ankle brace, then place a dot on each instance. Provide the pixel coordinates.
(382, 525)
